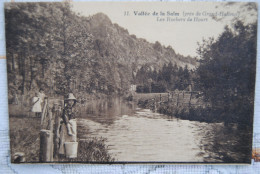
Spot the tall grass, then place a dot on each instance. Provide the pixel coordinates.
(24, 137)
(91, 150)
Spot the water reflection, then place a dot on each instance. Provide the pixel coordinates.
(135, 134)
(106, 111)
(226, 143)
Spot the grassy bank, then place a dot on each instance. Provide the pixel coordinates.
(24, 137)
(149, 96)
(184, 111)
(189, 112)
(91, 150)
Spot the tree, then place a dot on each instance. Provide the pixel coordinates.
(50, 42)
(226, 73)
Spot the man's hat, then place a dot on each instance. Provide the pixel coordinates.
(71, 97)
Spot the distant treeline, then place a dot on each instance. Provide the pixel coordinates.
(225, 76)
(169, 78)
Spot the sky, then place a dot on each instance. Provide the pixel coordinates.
(182, 36)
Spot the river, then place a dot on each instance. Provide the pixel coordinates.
(139, 135)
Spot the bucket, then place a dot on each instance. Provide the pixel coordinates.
(71, 149)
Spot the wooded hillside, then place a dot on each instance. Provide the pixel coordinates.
(51, 47)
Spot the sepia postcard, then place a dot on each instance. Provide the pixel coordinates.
(131, 82)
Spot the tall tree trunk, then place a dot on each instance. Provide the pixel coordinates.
(66, 68)
(23, 73)
(31, 69)
(43, 70)
(13, 63)
(20, 57)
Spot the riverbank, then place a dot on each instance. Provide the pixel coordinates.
(189, 113)
(24, 137)
(193, 112)
(222, 142)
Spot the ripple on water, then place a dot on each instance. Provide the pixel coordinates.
(148, 136)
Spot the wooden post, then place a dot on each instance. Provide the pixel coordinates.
(46, 134)
(183, 98)
(46, 146)
(50, 121)
(190, 99)
(56, 134)
(44, 110)
(160, 99)
(155, 105)
(57, 112)
(178, 100)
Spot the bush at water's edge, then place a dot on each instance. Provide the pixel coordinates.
(195, 113)
(181, 111)
(92, 150)
(25, 138)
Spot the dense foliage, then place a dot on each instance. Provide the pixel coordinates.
(169, 78)
(225, 78)
(51, 47)
(227, 70)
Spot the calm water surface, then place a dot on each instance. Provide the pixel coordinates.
(135, 134)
